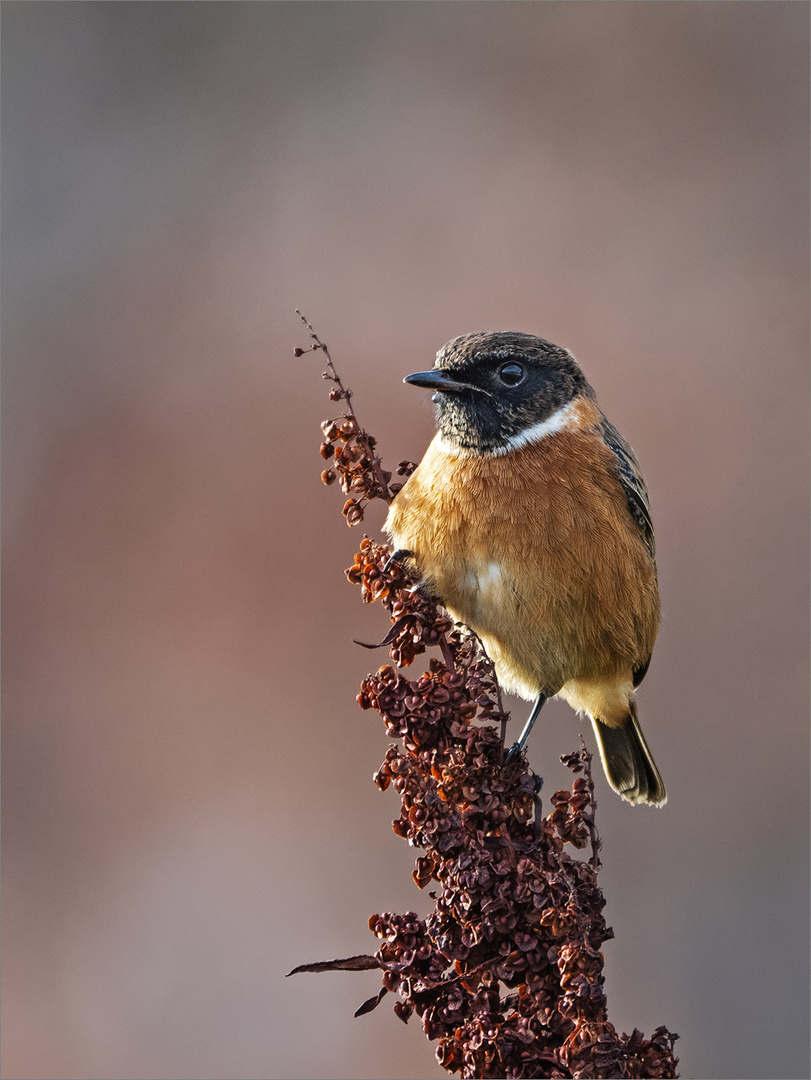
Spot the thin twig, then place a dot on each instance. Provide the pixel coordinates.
(346, 394)
(596, 843)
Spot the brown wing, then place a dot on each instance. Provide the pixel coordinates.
(636, 494)
(630, 476)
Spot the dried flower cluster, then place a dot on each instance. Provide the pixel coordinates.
(349, 449)
(505, 973)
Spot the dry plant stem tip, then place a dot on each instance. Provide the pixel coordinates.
(505, 970)
(343, 393)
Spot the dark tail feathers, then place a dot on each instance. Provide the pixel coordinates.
(628, 763)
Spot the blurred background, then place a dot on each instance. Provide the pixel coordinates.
(188, 809)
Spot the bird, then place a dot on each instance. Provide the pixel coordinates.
(529, 521)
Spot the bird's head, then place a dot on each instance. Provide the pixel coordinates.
(492, 390)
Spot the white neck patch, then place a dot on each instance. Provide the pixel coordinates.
(565, 416)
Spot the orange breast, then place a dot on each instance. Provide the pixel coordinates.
(537, 552)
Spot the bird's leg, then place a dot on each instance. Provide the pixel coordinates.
(397, 556)
(517, 748)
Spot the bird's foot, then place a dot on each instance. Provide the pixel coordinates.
(397, 557)
(514, 753)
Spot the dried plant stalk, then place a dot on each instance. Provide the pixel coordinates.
(505, 973)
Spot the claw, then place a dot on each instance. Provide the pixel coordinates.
(397, 557)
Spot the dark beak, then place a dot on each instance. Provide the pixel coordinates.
(439, 380)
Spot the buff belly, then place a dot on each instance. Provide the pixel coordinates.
(537, 553)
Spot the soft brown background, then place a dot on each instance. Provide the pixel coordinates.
(188, 804)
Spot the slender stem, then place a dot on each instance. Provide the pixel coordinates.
(595, 839)
(447, 653)
(347, 396)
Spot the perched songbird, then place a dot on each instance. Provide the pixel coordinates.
(529, 520)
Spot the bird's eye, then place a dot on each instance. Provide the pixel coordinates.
(511, 374)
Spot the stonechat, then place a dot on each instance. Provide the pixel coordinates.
(529, 520)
